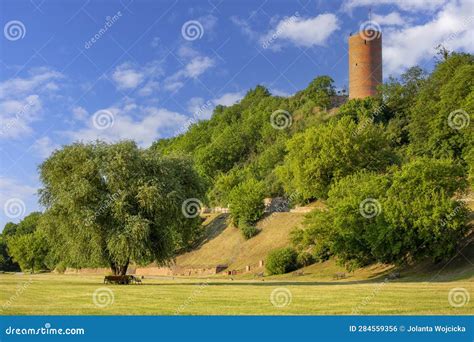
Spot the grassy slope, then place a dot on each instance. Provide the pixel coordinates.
(224, 244)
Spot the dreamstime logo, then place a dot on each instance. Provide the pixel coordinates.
(281, 119)
(363, 123)
(103, 119)
(192, 30)
(199, 115)
(458, 119)
(10, 123)
(377, 288)
(14, 30)
(370, 207)
(465, 24)
(281, 28)
(14, 208)
(190, 300)
(103, 297)
(281, 297)
(458, 297)
(370, 30)
(191, 207)
(451, 215)
(19, 291)
(104, 205)
(109, 21)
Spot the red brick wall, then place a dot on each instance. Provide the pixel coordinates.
(365, 64)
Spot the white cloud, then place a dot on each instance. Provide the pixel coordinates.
(391, 19)
(305, 32)
(186, 51)
(144, 124)
(198, 66)
(228, 99)
(193, 69)
(201, 109)
(150, 78)
(44, 146)
(21, 100)
(16, 116)
(40, 79)
(149, 88)
(208, 22)
(278, 92)
(79, 113)
(126, 77)
(13, 190)
(245, 28)
(405, 5)
(452, 26)
(173, 85)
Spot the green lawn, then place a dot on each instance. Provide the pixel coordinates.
(51, 294)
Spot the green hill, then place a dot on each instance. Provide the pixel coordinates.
(409, 151)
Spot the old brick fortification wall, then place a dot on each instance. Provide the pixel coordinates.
(154, 270)
(365, 63)
(179, 270)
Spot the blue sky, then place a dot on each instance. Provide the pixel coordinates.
(144, 70)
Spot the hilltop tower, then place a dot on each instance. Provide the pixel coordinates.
(365, 63)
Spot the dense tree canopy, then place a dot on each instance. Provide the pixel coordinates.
(113, 204)
(29, 250)
(433, 130)
(407, 214)
(326, 153)
(25, 244)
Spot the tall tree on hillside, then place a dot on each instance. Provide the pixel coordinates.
(116, 204)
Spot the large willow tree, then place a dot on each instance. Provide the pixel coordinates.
(115, 204)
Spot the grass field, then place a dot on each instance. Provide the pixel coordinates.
(51, 294)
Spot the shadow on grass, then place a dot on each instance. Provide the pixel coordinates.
(213, 230)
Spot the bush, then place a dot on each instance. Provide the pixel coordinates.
(304, 259)
(246, 203)
(248, 230)
(280, 261)
(316, 238)
(61, 268)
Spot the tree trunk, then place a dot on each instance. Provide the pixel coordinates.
(119, 269)
(113, 268)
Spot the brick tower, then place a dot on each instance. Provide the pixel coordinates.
(365, 63)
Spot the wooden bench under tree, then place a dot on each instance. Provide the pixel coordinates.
(122, 279)
(117, 279)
